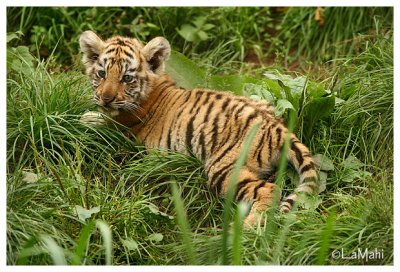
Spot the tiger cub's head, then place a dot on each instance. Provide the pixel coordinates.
(121, 69)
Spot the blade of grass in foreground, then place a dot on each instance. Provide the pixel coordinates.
(272, 225)
(56, 252)
(237, 234)
(326, 237)
(83, 243)
(231, 192)
(107, 240)
(183, 224)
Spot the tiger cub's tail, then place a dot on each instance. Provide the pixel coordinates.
(300, 158)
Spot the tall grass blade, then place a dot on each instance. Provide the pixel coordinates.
(183, 224)
(232, 189)
(83, 243)
(105, 232)
(237, 247)
(326, 237)
(55, 251)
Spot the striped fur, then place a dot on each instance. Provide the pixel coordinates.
(130, 84)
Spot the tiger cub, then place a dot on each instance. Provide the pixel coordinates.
(131, 86)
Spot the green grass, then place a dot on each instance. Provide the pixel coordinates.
(86, 194)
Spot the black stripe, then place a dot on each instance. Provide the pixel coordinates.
(218, 96)
(242, 184)
(130, 47)
(202, 146)
(169, 139)
(228, 134)
(214, 135)
(217, 184)
(249, 119)
(189, 133)
(289, 201)
(260, 148)
(269, 148)
(154, 121)
(299, 156)
(161, 134)
(179, 114)
(127, 53)
(110, 50)
(210, 107)
(307, 167)
(174, 121)
(255, 193)
(278, 132)
(225, 151)
(225, 104)
(239, 111)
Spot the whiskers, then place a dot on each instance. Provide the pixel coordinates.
(130, 107)
(133, 108)
(96, 100)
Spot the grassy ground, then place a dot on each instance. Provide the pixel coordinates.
(86, 194)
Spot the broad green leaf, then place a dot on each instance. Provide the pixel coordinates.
(20, 60)
(281, 106)
(315, 110)
(202, 35)
(29, 177)
(349, 175)
(199, 21)
(207, 27)
(13, 36)
(156, 237)
(188, 32)
(154, 209)
(257, 92)
(84, 214)
(185, 72)
(323, 163)
(316, 90)
(339, 101)
(309, 202)
(273, 87)
(323, 177)
(130, 244)
(352, 163)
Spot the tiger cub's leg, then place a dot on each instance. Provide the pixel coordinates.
(300, 158)
(261, 194)
(250, 188)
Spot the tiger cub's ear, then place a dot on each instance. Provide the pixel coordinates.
(91, 46)
(156, 53)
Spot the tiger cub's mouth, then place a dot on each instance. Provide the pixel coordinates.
(109, 110)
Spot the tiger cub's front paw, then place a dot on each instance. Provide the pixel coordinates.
(92, 118)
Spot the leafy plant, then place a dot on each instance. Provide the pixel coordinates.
(19, 59)
(197, 31)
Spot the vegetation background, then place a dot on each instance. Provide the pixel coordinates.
(85, 194)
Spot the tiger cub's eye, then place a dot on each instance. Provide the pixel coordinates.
(101, 73)
(127, 78)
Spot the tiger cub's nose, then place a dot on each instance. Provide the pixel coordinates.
(107, 98)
